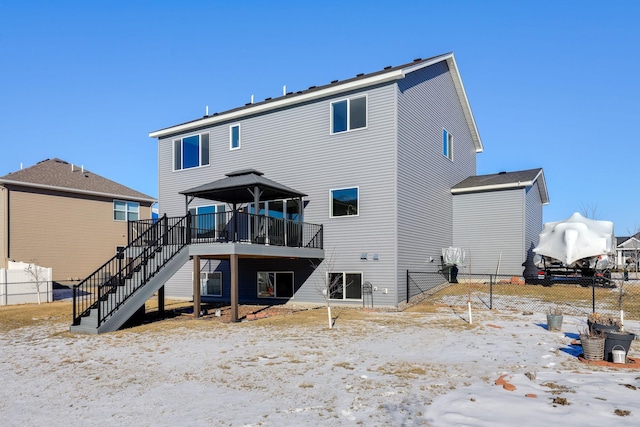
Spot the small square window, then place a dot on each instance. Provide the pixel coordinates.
(211, 283)
(234, 137)
(344, 202)
(447, 144)
(349, 114)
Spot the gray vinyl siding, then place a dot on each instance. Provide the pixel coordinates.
(294, 146)
(489, 226)
(533, 226)
(427, 103)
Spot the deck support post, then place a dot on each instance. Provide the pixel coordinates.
(233, 261)
(196, 286)
(161, 302)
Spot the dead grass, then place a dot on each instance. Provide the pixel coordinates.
(25, 315)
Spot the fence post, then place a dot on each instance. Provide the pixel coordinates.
(407, 285)
(491, 292)
(593, 296)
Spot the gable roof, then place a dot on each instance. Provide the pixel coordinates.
(504, 181)
(237, 187)
(388, 74)
(56, 174)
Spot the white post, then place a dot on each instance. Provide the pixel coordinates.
(470, 318)
(329, 314)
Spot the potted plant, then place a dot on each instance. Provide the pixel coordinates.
(592, 342)
(554, 319)
(601, 322)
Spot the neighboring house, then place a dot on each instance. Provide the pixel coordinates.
(354, 188)
(65, 217)
(497, 219)
(628, 251)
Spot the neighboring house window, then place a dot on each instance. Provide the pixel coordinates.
(234, 137)
(345, 286)
(191, 151)
(447, 144)
(211, 283)
(275, 284)
(344, 202)
(348, 114)
(126, 211)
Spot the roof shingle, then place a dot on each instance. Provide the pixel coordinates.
(61, 174)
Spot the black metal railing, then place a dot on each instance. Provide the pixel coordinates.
(106, 289)
(225, 227)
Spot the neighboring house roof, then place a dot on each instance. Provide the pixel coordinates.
(504, 181)
(629, 242)
(56, 174)
(238, 187)
(360, 81)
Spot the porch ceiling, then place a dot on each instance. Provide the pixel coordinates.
(238, 187)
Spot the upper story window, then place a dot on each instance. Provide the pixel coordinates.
(344, 202)
(126, 211)
(234, 137)
(191, 151)
(447, 144)
(349, 114)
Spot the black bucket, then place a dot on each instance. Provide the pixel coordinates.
(613, 339)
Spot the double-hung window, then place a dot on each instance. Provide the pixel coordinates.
(234, 137)
(191, 151)
(275, 284)
(447, 144)
(344, 286)
(125, 211)
(344, 202)
(349, 114)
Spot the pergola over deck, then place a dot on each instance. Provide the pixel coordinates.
(237, 189)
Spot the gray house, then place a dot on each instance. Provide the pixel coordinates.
(376, 156)
(497, 219)
(348, 183)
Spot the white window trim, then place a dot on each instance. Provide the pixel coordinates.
(203, 284)
(449, 144)
(126, 211)
(173, 152)
(344, 293)
(231, 147)
(331, 202)
(366, 106)
(293, 276)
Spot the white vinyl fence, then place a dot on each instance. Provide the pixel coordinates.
(23, 283)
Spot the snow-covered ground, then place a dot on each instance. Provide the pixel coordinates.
(373, 369)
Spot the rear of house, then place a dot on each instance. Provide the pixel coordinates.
(376, 156)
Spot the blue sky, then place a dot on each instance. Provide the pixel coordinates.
(552, 84)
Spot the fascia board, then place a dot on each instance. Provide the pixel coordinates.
(285, 102)
(75, 190)
(466, 107)
(512, 185)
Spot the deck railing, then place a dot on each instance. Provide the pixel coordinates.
(239, 226)
(107, 288)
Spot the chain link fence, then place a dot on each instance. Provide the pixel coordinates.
(510, 292)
